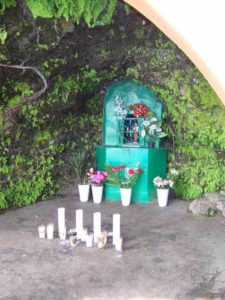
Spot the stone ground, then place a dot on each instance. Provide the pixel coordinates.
(168, 253)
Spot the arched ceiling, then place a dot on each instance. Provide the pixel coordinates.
(197, 27)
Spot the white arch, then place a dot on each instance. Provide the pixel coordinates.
(198, 28)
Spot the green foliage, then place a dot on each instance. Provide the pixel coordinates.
(92, 12)
(3, 35)
(30, 158)
(5, 4)
(79, 163)
(196, 118)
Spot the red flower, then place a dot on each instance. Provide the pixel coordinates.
(139, 171)
(121, 167)
(114, 169)
(139, 110)
(131, 172)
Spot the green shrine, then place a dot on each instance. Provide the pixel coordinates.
(131, 136)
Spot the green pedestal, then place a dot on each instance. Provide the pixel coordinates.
(152, 162)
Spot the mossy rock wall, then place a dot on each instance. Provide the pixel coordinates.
(79, 63)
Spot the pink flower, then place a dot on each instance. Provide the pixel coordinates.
(98, 177)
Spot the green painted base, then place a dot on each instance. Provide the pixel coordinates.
(152, 162)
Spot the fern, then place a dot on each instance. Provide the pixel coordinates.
(93, 12)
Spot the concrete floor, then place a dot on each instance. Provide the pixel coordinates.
(168, 253)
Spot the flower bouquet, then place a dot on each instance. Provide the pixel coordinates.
(122, 176)
(96, 179)
(162, 186)
(125, 178)
(153, 131)
(139, 110)
(161, 183)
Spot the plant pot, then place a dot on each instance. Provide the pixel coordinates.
(163, 195)
(97, 193)
(125, 196)
(84, 190)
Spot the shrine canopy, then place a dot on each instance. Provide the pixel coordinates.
(129, 92)
(197, 27)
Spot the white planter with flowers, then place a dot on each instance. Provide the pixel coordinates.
(163, 195)
(162, 186)
(78, 163)
(125, 196)
(84, 191)
(97, 192)
(125, 178)
(96, 179)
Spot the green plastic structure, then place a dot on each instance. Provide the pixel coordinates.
(125, 142)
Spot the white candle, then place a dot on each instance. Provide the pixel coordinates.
(61, 219)
(50, 231)
(41, 231)
(89, 240)
(84, 234)
(79, 223)
(116, 227)
(62, 234)
(97, 225)
(119, 244)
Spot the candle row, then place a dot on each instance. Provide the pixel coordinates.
(99, 237)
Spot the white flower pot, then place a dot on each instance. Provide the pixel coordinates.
(126, 196)
(163, 195)
(97, 193)
(84, 190)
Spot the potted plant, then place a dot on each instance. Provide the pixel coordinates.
(125, 178)
(79, 161)
(96, 179)
(162, 186)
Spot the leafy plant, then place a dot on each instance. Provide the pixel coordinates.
(92, 12)
(3, 35)
(79, 163)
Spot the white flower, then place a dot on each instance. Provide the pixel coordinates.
(170, 183)
(157, 181)
(153, 120)
(158, 129)
(143, 133)
(146, 123)
(153, 127)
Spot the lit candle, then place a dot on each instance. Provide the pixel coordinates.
(97, 225)
(119, 244)
(79, 223)
(62, 234)
(61, 219)
(89, 240)
(84, 234)
(116, 227)
(41, 231)
(50, 231)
